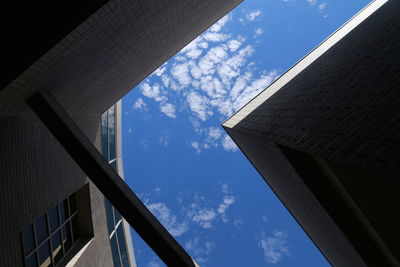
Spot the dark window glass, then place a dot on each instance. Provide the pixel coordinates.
(114, 164)
(72, 204)
(31, 261)
(104, 135)
(44, 255)
(56, 246)
(110, 216)
(53, 219)
(41, 228)
(75, 228)
(122, 246)
(64, 210)
(28, 239)
(111, 129)
(114, 250)
(66, 236)
(117, 216)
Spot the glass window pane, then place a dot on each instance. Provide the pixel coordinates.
(75, 228)
(44, 255)
(66, 236)
(110, 216)
(41, 228)
(111, 129)
(72, 204)
(104, 135)
(114, 251)
(122, 246)
(53, 219)
(56, 246)
(28, 240)
(31, 261)
(117, 216)
(64, 211)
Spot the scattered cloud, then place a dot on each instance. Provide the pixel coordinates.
(321, 7)
(169, 221)
(199, 249)
(214, 133)
(221, 23)
(139, 104)
(257, 32)
(312, 2)
(199, 105)
(274, 247)
(164, 140)
(211, 78)
(130, 130)
(224, 188)
(153, 91)
(228, 144)
(168, 109)
(252, 15)
(222, 208)
(203, 216)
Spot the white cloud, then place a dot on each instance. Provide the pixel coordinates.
(199, 105)
(195, 48)
(203, 216)
(160, 70)
(130, 130)
(181, 73)
(168, 109)
(139, 104)
(224, 188)
(169, 221)
(255, 87)
(321, 7)
(217, 27)
(212, 76)
(234, 45)
(214, 132)
(153, 92)
(252, 15)
(165, 80)
(228, 144)
(196, 145)
(312, 2)
(164, 140)
(199, 249)
(215, 36)
(257, 32)
(222, 208)
(275, 247)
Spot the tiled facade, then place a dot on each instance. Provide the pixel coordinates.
(87, 71)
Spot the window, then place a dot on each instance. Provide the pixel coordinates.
(114, 219)
(46, 241)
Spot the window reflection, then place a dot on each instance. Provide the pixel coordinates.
(114, 219)
(52, 235)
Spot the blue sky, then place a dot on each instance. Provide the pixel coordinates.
(182, 164)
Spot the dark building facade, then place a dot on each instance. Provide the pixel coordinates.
(86, 55)
(325, 137)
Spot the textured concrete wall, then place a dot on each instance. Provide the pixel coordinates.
(345, 105)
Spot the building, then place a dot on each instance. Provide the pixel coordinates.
(67, 63)
(325, 137)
